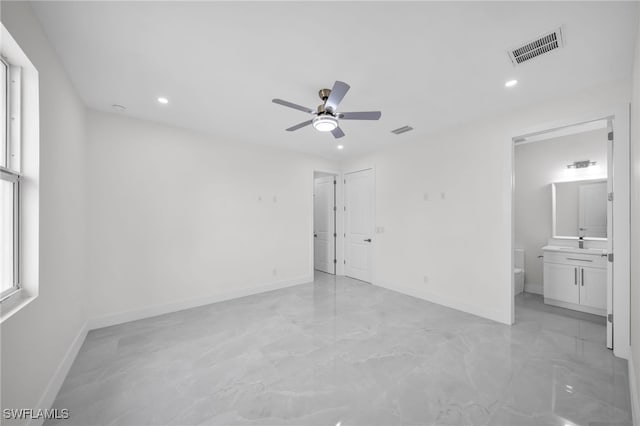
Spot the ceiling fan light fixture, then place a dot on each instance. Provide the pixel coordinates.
(325, 123)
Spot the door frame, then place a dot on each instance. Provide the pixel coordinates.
(375, 233)
(339, 222)
(619, 114)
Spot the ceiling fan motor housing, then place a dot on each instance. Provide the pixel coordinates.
(323, 111)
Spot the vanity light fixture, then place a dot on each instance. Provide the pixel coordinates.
(340, 147)
(581, 164)
(511, 83)
(163, 100)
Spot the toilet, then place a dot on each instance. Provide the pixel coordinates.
(518, 271)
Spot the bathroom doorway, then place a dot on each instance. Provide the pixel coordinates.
(563, 221)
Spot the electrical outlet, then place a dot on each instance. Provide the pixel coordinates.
(380, 230)
(443, 195)
(275, 272)
(426, 279)
(259, 198)
(425, 196)
(275, 199)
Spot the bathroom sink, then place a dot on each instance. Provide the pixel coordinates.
(565, 249)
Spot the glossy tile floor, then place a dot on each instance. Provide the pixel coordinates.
(338, 351)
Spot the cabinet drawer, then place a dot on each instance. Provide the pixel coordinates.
(589, 260)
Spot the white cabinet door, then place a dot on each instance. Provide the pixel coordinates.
(561, 282)
(593, 287)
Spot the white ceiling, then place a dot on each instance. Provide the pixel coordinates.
(428, 65)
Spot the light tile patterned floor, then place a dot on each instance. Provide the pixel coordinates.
(338, 351)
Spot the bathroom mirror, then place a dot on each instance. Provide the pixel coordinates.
(580, 209)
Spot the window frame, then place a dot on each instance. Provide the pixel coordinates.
(10, 172)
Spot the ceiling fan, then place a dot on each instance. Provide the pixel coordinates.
(327, 115)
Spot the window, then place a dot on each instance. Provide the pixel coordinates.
(9, 181)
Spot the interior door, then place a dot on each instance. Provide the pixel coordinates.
(610, 234)
(592, 209)
(324, 224)
(359, 224)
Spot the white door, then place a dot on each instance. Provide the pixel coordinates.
(561, 282)
(324, 224)
(359, 225)
(593, 287)
(610, 235)
(592, 210)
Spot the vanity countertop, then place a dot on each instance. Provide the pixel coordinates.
(576, 250)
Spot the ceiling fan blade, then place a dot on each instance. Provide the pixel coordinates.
(362, 115)
(299, 126)
(292, 105)
(340, 89)
(337, 133)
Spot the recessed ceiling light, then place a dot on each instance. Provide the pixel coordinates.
(163, 100)
(511, 83)
(340, 147)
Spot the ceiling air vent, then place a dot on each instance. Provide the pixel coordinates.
(543, 44)
(403, 129)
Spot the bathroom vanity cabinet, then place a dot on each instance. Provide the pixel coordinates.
(576, 279)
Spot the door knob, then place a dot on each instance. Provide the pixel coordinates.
(368, 240)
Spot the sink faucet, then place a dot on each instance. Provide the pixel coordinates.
(580, 242)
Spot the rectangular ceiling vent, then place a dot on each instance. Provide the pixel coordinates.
(401, 130)
(543, 44)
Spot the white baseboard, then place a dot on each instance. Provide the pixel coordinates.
(449, 302)
(152, 311)
(52, 389)
(633, 391)
(535, 288)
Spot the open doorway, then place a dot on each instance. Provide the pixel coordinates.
(324, 222)
(563, 227)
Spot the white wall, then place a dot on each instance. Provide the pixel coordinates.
(460, 243)
(635, 226)
(36, 339)
(174, 216)
(177, 217)
(537, 165)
